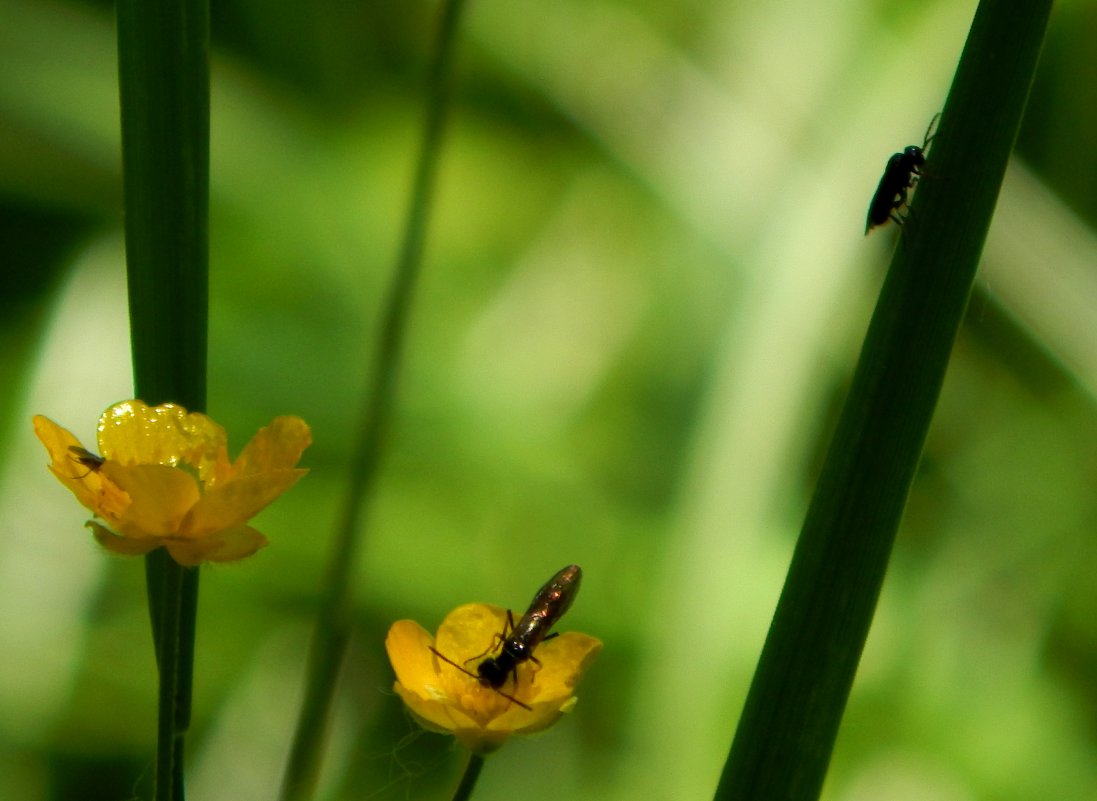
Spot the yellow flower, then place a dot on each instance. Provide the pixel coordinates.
(164, 479)
(447, 700)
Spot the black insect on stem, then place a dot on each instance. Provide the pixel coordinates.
(900, 176)
(86, 458)
(518, 641)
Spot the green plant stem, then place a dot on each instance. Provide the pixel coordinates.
(792, 713)
(163, 75)
(329, 640)
(169, 735)
(469, 778)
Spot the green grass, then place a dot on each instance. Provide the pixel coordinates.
(792, 714)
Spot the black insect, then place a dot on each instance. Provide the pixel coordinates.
(900, 175)
(86, 458)
(518, 641)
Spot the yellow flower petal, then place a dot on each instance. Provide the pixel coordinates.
(431, 715)
(417, 681)
(564, 659)
(134, 433)
(224, 546)
(481, 741)
(408, 646)
(232, 502)
(85, 484)
(471, 630)
(123, 546)
(160, 498)
(276, 447)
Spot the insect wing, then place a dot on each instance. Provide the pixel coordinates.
(548, 606)
(83, 456)
(556, 597)
(884, 200)
(899, 176)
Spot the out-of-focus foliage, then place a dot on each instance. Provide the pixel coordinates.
(645, 287)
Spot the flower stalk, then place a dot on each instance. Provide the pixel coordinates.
(469, 778)
(332, 630)
(164, 486)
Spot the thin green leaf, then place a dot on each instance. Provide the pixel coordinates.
(163, 62)
(791, 717)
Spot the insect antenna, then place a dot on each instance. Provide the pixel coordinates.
(467, 672)
(931, 134)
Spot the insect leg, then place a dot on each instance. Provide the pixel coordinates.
(537, 661)
(509, 697)
(515, 700)
(496, 639)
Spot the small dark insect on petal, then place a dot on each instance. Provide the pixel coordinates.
(86, 458)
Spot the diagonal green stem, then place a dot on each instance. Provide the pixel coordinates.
(469, 778)
(329, 640)
(163, 68)
(792, 713)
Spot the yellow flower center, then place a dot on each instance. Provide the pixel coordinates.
(480, 701)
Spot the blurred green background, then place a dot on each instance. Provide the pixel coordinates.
(644, 292)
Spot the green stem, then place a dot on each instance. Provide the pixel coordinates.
(169, 738)
(163, 75)
(328, 645)
(468, 780)
(792, 713)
